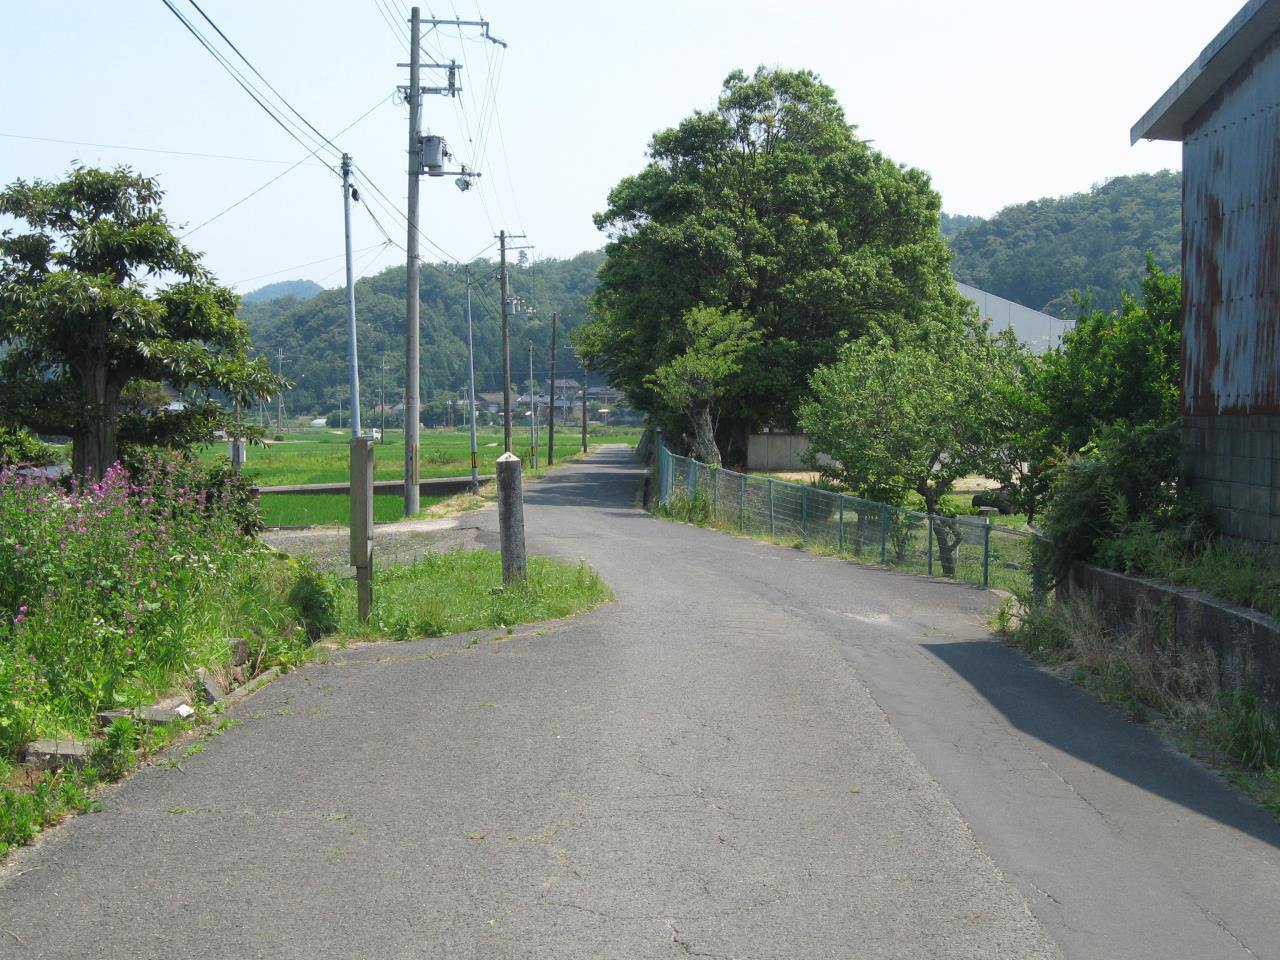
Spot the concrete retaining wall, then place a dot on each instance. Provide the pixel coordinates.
(779, 452)
(1245, 642)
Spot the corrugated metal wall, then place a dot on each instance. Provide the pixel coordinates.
(1231, 245)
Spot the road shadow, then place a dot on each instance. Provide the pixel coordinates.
(1069, 719)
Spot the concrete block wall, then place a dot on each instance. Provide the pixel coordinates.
(1233, 462)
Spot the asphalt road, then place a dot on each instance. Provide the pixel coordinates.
(753, 753)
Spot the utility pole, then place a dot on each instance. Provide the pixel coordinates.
(503, 237)
(411, 375)
(382, 398)
(352, 355)
(426, 155)
(506, 343)
(551, 410)
(280, 393)
(471, 393)
(584, 408)
(533, 412)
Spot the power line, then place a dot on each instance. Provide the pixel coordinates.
(299, 266)
(242, 81)
(278, 176)
(121, 146)
(259, 75)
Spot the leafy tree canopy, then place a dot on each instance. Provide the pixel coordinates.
(96, 292)
(770, 206)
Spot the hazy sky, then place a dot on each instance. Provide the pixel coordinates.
(1001, 101)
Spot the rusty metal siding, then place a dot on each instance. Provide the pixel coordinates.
(1231, 245)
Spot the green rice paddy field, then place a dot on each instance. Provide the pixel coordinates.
(321, 456)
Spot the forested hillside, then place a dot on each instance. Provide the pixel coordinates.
(299, 289)
(1037, 253)
(313, 333)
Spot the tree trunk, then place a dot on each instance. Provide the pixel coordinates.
(947, 534)
(704, 436)
(94, 446)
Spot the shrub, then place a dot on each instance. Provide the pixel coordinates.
(19, 447)
(1126, 481)
(315, 597)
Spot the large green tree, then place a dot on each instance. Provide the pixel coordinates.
(894, 418)
(771, 206)
(96, 293)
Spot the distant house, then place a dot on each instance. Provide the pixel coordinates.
(1223, 109)
(491, 402)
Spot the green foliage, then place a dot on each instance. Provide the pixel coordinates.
(770, 206)
(461, 591)
(683, 508)
(315, 597)
(1237, 571)
(695, 380)
(17, 446)
(912, 417)
(1123, 483)
(1040, 253)
(312, 333)
(82, 316)
(111, 593)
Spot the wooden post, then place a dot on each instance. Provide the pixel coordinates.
(362, 522)
(511, 518)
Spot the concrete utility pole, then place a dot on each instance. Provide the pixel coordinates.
(506, 343)
(471, 393)
(352, 354)
(280, 393)
(426, 155)
(411, 373)
(503, 237)
(551, 410)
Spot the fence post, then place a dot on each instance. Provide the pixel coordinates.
(772, 527)
(692, 479)
(840, 534)
(714, 476)
(930, 516)
(742, 498)
(986, 553)
(884, 532)
(804, 512)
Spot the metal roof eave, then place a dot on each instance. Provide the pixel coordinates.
(1224, 55)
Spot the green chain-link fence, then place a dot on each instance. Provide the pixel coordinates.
(963, 548)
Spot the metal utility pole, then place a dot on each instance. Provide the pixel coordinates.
(471, 393)
(551, 410)
(352, 355)
(382, 399)
(533, 413)
(584, 408)
(411, 374)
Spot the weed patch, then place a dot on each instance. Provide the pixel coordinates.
(462, 591)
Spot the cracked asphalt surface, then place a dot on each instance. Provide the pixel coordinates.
(754, 753)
